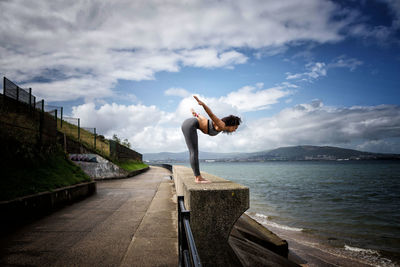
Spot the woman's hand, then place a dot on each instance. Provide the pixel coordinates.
(201, 103)
(194, 113)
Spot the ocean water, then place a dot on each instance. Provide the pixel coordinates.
(352, 207)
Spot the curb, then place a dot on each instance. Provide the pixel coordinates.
(129, 175)
(136, 172)
(19, 210)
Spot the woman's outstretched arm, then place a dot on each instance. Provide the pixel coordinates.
(220, 124)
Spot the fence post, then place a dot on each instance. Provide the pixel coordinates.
(61, 116)
(17, 93)
(55, 117)
(79, 129)
(41, 124)
(4, 91)
(65, 143)
(30, 98)
(94, 138)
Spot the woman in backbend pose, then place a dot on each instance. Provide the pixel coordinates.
(211, 127)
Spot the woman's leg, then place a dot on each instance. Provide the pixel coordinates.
(189, 129)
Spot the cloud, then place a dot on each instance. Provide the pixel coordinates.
(177, 92)
(68, 46)
(395, 7)
(314, 71)
(316, 124)
(115, 118)
(250, 98)
(210, 58)
(320, 69)
(391, 145)
(344, 62)
(150, 129)
(384, 35)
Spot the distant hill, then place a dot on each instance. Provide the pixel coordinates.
(184, 156)
(318, 153)
(282, 153)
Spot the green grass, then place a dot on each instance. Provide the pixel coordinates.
(44, 173)
(131, 165)
(86, 137)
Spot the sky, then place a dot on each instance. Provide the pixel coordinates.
(297, 72)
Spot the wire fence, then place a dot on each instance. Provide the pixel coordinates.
(67, 125)
(13, 91)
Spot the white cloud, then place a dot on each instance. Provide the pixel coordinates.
(314, 71)
(177, 92)
(149, 129)
(209, 58)
(115, 118)
(316, 124)
(58, 44)
(250, 98)
(344, 62)
(320, 69)
(73, 88)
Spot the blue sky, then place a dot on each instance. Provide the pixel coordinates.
(311, 72)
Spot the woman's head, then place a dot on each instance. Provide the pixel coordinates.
(232, 122)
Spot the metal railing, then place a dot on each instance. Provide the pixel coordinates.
(188, 255)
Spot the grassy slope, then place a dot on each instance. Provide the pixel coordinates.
(131, 165)
(25, 170)
(45, 173)
(86, 137)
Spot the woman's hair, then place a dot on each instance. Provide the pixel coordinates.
(232, 120)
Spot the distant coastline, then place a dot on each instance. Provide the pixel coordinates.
(295, 153)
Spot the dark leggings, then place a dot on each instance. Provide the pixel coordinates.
(189, 129)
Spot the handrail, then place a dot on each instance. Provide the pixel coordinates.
(188, 255)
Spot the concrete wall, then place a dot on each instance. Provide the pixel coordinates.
(214, 209)
(121, 152)
(20, 210)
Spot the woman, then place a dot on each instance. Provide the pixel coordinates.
(211, 127)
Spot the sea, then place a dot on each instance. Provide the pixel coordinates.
(349, 208)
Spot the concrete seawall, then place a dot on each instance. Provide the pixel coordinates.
(224, 235)
(214, 209)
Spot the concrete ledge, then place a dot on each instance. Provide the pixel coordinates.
(18, 210)
(214, 209)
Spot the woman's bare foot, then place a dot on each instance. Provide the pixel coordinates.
(201, 180)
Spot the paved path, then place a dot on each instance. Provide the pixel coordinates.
(129, 222)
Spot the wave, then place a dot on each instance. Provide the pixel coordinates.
(264, 219)
(370, 256)
(362, 250)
